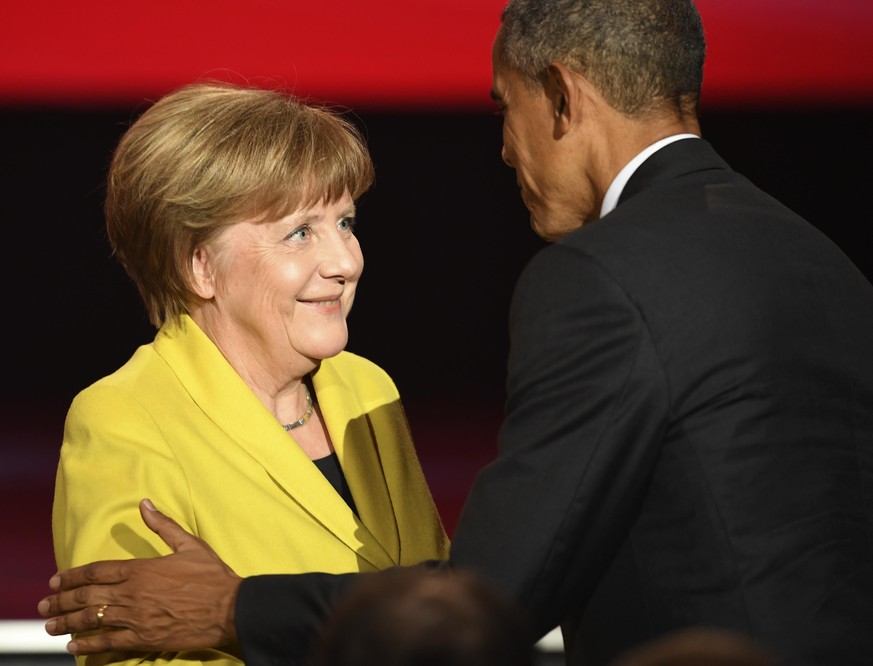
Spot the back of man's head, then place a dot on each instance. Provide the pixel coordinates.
(642, 55)
(419, 617)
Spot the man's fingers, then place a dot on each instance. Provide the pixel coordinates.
(89, 585)
(165, 527)
(75, 600)
(87, 619)
(104, 641)
(109, 641)
(95, 573)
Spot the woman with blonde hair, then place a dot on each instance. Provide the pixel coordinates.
(233, 212)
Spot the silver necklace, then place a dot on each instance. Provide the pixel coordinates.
(303, 419)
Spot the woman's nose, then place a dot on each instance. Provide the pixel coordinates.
(342, 258)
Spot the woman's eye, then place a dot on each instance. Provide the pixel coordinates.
(300, 234)
(347, 224)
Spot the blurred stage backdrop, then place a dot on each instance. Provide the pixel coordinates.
(788, 100)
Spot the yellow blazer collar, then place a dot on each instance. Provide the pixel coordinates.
(222, 395)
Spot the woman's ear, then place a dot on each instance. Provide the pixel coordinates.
(202, 272)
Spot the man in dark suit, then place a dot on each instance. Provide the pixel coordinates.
(689, 429)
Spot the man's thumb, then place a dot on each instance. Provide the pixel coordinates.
(165, 527)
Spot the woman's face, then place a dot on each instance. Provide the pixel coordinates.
(278, 293)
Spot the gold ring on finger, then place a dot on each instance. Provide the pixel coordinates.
(100, 613)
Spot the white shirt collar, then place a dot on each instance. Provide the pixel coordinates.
(610, 199)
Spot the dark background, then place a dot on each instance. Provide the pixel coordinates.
(443, 230)
(444, 235)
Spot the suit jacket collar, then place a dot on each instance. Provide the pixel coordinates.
(222, 395)
(673, 161)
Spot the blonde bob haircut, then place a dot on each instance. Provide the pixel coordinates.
(210, 155)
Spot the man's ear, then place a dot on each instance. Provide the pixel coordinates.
(202, 272)
(563, 90)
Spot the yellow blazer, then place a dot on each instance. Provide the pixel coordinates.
(178, 425)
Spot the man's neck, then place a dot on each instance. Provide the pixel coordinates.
(625, 138)
(613, 193)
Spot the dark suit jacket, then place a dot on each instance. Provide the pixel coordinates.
(689, 429)
(688, 437)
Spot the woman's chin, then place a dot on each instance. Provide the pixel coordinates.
(324, 350)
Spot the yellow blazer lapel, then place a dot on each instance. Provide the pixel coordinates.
(351, 430)
(221, 394)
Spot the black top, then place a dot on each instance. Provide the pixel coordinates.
(330, 467)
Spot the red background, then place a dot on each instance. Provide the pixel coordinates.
(392, 53)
